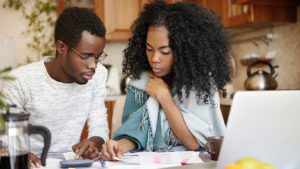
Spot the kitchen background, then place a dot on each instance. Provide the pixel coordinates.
(283, 40)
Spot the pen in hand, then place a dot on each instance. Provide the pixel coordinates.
(116, 156)
(102, 161)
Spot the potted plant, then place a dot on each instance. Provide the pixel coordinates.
(4, 77)
(3, 106)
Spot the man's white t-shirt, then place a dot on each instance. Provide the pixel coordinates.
(61, 107)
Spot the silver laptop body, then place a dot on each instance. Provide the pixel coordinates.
(264, 125)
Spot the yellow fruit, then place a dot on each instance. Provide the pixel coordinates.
(233, 166)
(252, 163)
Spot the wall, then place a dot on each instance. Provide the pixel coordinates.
(115, 54)
(287, 45)
(12, 25)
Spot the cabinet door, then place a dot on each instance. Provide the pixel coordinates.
(94, 5)
(119, 16)
(236, 13)
(241, 12)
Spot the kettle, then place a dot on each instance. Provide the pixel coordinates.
(261, 80)
(14, 140)
(124, 84)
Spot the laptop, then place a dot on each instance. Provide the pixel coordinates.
(264, 125)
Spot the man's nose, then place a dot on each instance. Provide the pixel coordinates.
(92, 62)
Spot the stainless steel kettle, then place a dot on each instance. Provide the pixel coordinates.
(124, 84)
(261, 80)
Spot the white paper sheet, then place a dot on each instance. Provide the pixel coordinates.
(157, 159)
(69, 155)
(139, 160)
(50, 164)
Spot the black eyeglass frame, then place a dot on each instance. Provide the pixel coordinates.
(98, 59)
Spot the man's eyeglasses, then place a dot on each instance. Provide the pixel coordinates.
(98, 58)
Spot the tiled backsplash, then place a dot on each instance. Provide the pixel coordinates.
(287, 45)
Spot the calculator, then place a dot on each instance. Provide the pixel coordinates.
(75, 163)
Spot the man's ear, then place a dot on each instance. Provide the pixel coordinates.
(61, 47)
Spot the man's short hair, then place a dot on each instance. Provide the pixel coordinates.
(73, 21)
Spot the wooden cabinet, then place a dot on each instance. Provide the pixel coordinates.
(240, 12)
(235, 13)
(110, 108)
(117, 15)
(94, 5)
(225, 109)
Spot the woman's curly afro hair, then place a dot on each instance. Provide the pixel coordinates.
(198, 41)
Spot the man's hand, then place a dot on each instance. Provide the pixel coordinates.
(113, 149)
(88, 148)
(34, 160)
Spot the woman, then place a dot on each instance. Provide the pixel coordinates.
(177, 60)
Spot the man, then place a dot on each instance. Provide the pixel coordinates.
(61, 93)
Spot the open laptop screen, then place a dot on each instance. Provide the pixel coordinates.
(264, 125)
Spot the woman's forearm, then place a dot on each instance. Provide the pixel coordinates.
(127, 145)
(176, 121)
